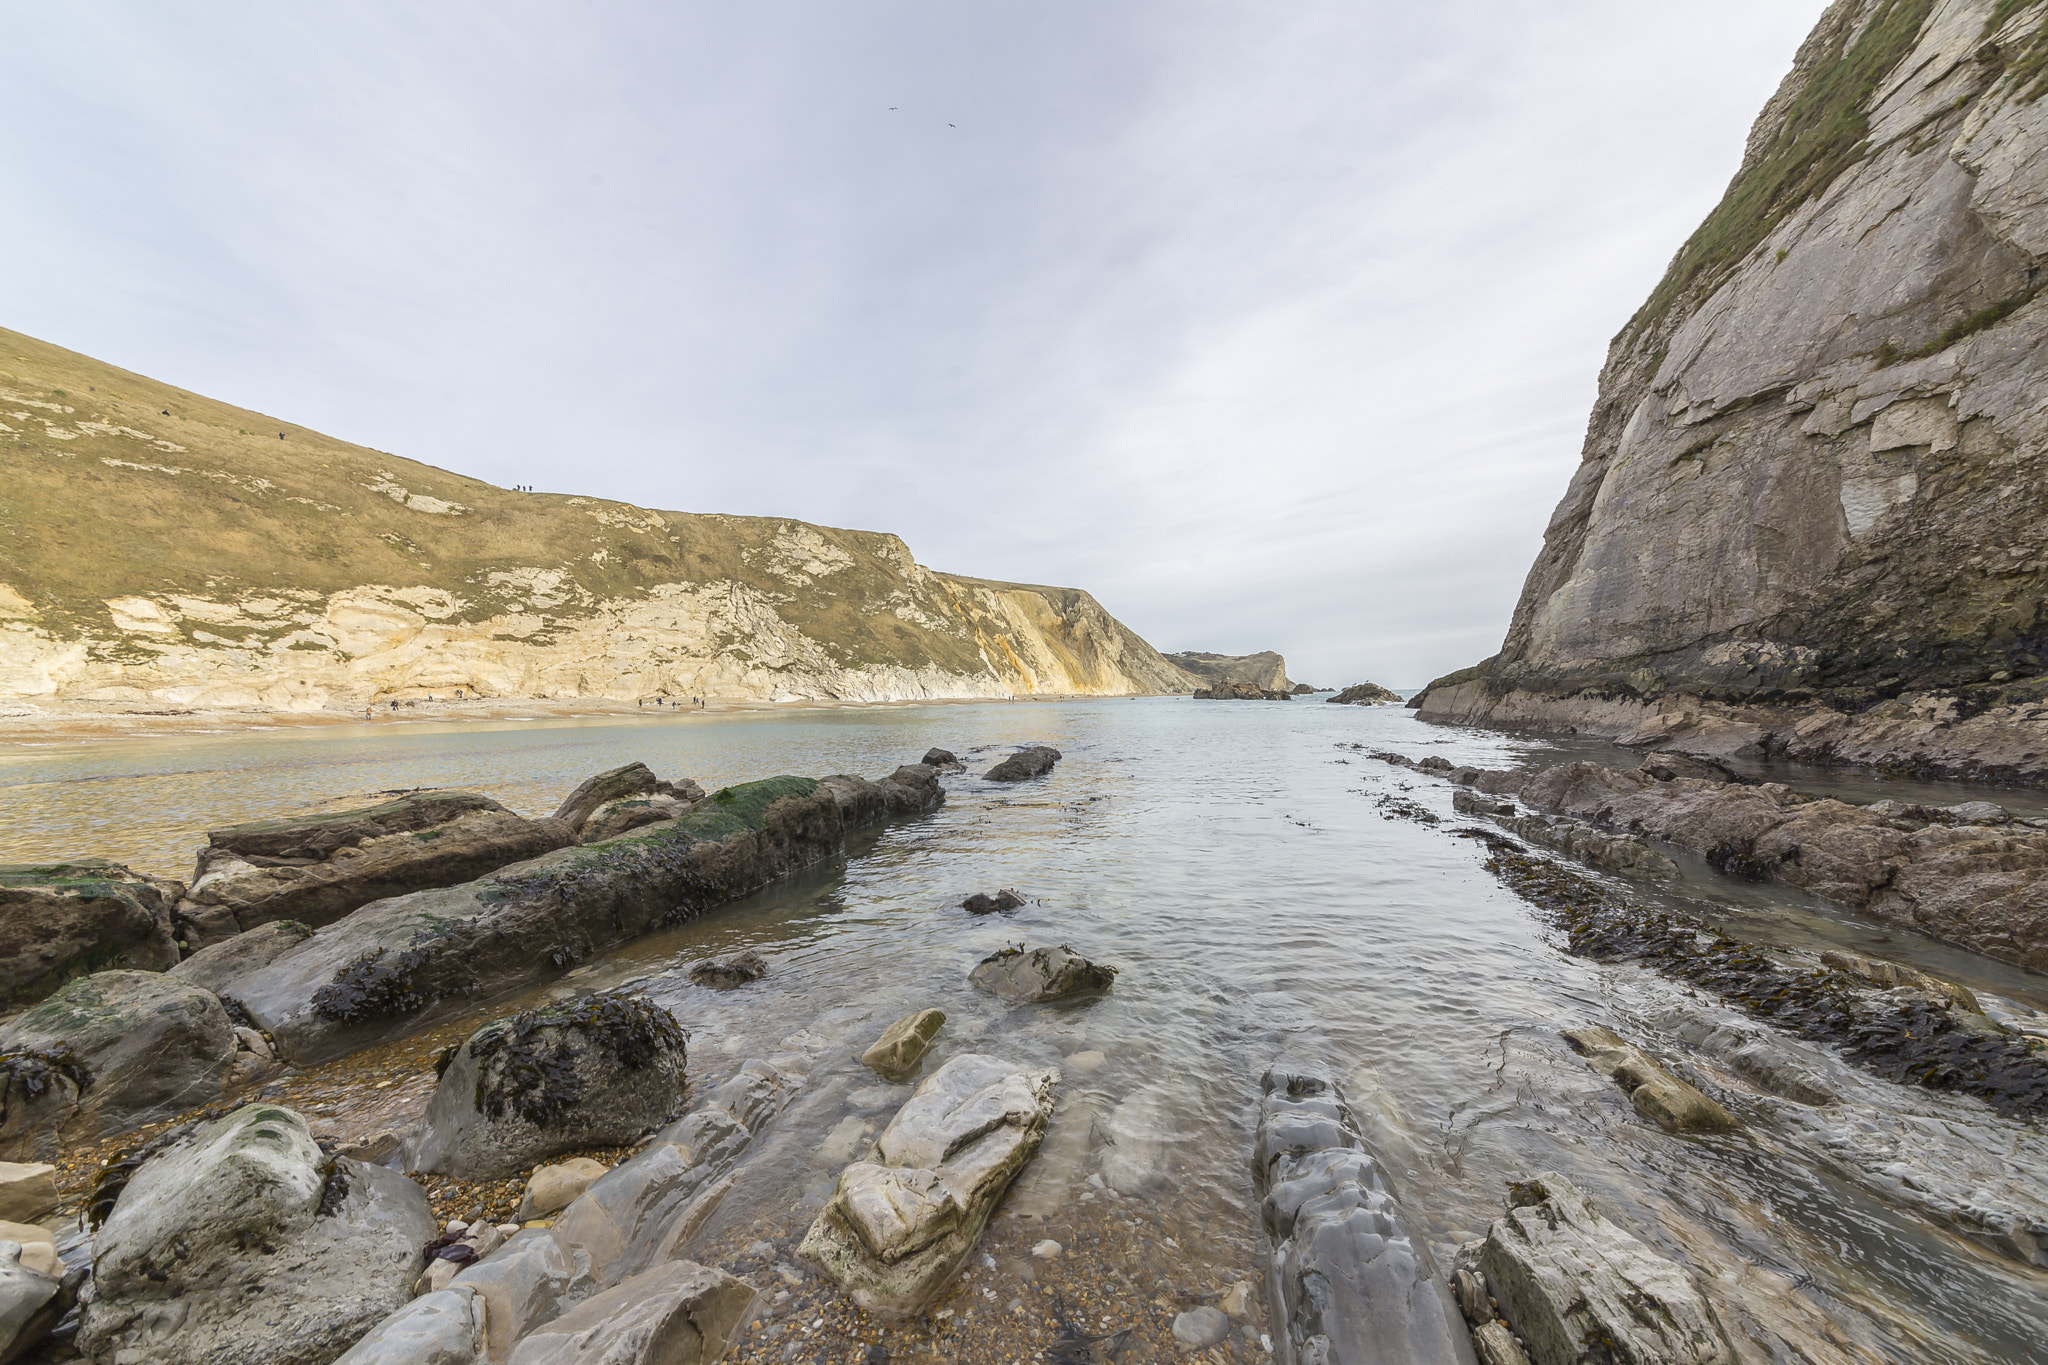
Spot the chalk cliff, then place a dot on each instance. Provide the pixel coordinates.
(160, 548)
(1811, 517)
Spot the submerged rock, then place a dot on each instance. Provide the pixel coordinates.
(899, 1225)
(316, 868)
(598, 1071)
(981, 903)
(897, 1054)
(737, 970)
(243, 1245)
(1366, 694)
(1034, 761)
(108, 1053)
(1656, 1094)
(1575, 1287)
(681, 1313)
(1024, 977)
(60, 921)
(1347, 1278)
(1200, 1328)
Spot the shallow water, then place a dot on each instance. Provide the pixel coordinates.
(1230, 860)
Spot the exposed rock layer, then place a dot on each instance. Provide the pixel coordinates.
(1810, 509)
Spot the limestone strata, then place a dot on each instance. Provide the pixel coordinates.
(1656, 1094)
(379, 971)
(1808, 516)
(64, 920)
(1266, 671)
(1365, 694)
(1347, 1277)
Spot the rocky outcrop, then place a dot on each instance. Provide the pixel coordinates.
(594, 1072)
(1001, 903)
(243, 1245)
(1024, 977)
(1656, 1094)
(59, 921)
(31, 1301)
(897, 1054)
(1266, 671)
(1346, 1275)
(1823, 428)
(213, 968)
(1240, 691)
(1034, 760)
(381, 970)
(318, 867)
(898, 1225)
(108, 1053)
(1365, 694)
(681, 1313)
(726, 972)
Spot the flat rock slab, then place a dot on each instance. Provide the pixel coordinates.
(213, 967)
(442, 1328)
(244, 1245)
(1656, 1094)
(60, 921)
(1347, 1277)
(28, 1190)
(1575, 1287)
(899, 1224)
(1035, 761)
(1026, 976)
(896, 1055)
(679, 1314)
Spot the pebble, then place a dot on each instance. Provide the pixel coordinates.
(1047, 1249)
(1238, 1300)
(1200, 1328)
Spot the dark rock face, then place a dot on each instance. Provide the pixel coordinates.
(378, 972)
(108, 1053)
(981, 903)
(599, 1071)
(317, 868)
(1035, 761)
(1240, 691)
(1365, 694)
(59, 921)
(1347, 1277)
(1024, 977)
(736, 970)
(940, 758)
(633, 779)
(1826, 410)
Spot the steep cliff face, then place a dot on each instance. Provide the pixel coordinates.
(1812, 514)
(1265, 670)
(157, 547)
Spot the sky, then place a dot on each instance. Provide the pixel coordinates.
(1275, 326)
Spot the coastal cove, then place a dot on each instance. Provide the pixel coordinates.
(1269, 894)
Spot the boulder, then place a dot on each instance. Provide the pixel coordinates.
(1024, 977)
(1347, 1277)
(1656, 1094)
(28, 1190)
(594, 1072)
(897, 1054)
(31, 1301)
(899, 1225)
(981, 903)
(243, 1245)
(212, 968)
(1200, 1328)
(681, 1313)
(1366, 694)
(941, 758)
(736, 970)
(1575, 1287)
(108, 1053)
(1033, 761)
(551, 1189)
(442, 1328)
(388, 967)
(61, 921)
(316, 868)
(634, 779)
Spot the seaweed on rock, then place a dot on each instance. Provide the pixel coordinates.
(517, 1071)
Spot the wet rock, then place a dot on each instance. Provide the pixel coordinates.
(598, 1071)
(981, 903)
(375, 1148)
(242, 1245)
(1496, 1345)
(614, 818)
(1592, 846)
(898, 1053)
(375, 974)
(736, 970)
(214, 967)
(551, 1188)
(108, 1053)
(941, 758)
(31, 1301)
(1656, 1094)
(1473, 803)
(28, 1190)
(60, 921)
(1347, 1278)
(1879, 972)
(679, 1314)
(1200, 1328)
(1141, 1139)
(1240, 691)
(442, 1328)
(616, 784)
(1023, 976)
(462, 1245)
(897, 1227)
(1047, 1250)
(1575, 1287)
(1668, 767)
(316, 868)
(1366, 694)
(1762, 1058)
(1034, 761)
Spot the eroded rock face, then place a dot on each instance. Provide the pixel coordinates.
(1347, 1277)
(1656, 1094)
(900, 1223)
(1025, 977)
(108, 1053)
(897, 1054)
(60, 921)
(1573, 1285)
(599, 1071)
(1828, 409)
(318, 867)
(1241, 691)
(681, 1313)
(244, 1246)
(1035, 761)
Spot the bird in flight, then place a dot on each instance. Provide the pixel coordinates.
(952, 125)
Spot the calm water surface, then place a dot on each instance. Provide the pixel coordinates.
(1232, 861)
